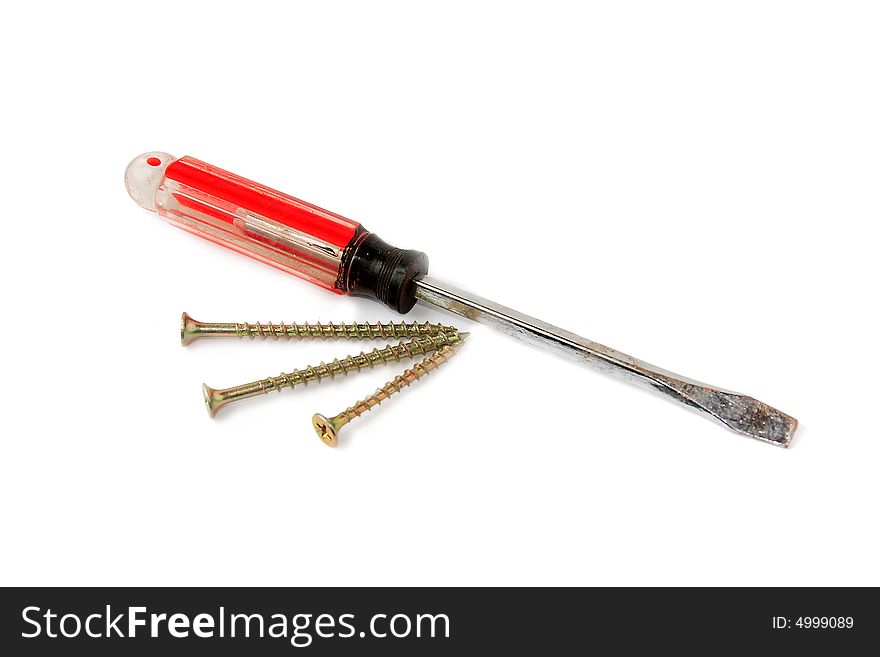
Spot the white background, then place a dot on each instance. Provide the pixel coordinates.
(693, 183)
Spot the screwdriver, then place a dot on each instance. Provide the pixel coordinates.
(340, 255)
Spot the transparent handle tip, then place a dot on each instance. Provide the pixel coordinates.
(143, 176)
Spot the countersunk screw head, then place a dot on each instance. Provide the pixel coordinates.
(326, 429)
(188, 329)
(214, 399)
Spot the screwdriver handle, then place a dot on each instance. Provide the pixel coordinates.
(323, 247)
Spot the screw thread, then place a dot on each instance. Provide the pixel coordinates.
(363, 360)
(396, 384)
(333, 331)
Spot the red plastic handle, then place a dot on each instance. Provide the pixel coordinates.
(297, 237)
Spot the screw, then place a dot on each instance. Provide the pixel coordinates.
(328, 428)
(217, 399)
(191, 330)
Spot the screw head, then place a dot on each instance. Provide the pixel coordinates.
(325, 430)
(214, 400)
(188, 329)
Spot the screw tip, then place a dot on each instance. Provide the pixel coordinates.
(325, 430)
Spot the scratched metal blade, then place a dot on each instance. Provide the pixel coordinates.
(737, 412)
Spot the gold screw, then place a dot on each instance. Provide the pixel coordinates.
(217, 399)
(328, 428)
(191, 330)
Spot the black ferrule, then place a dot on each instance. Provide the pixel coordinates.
(373, 268)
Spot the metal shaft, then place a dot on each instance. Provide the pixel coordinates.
(737, 412)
